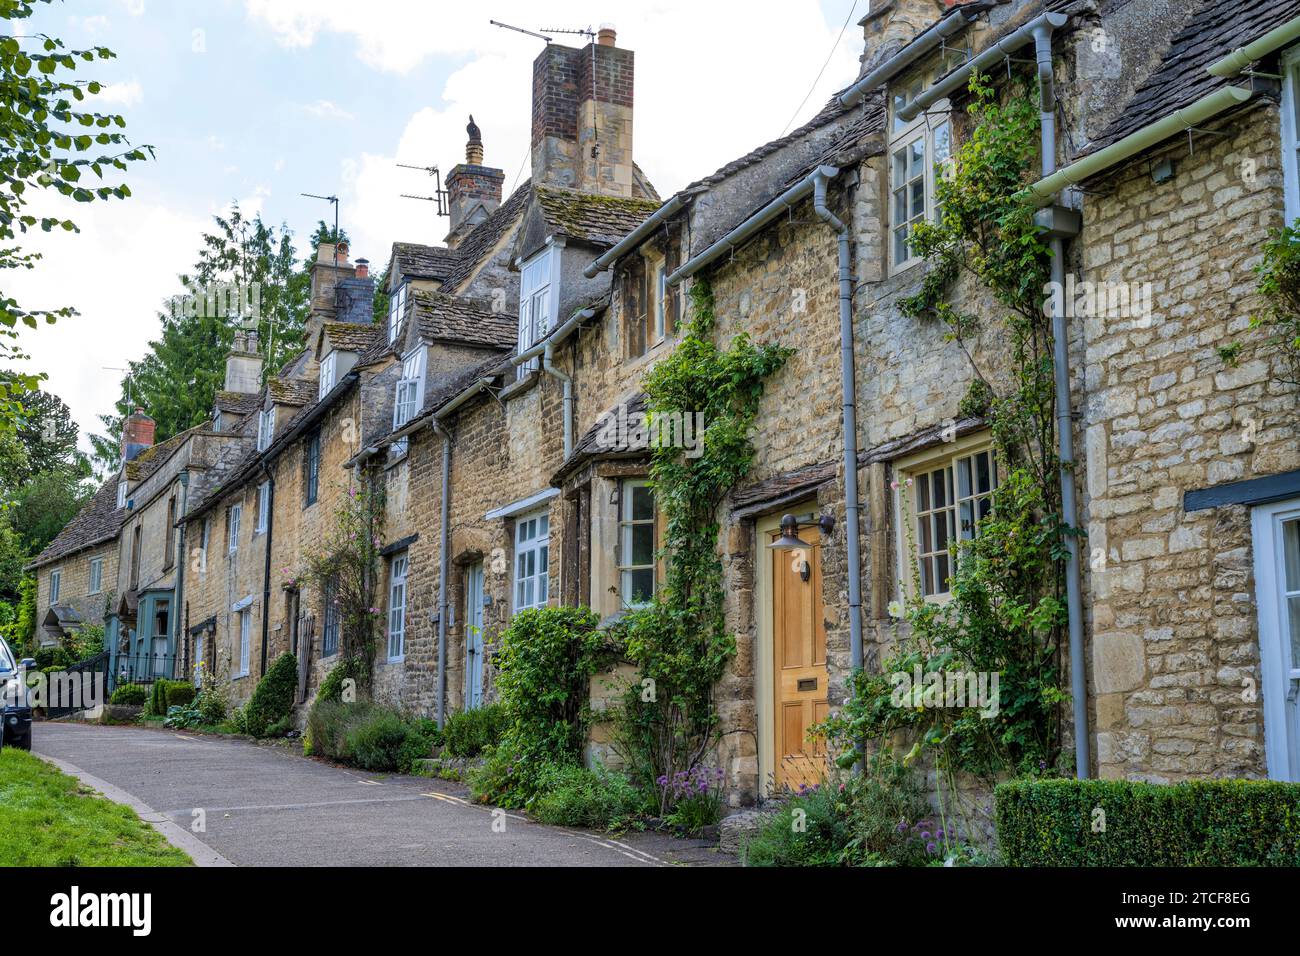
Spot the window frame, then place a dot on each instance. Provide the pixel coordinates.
(311, 478)
(397, 300)
(265, 428)
(399, 567)
(1290, 65)
(245, 625)
(627, 523)
(331, 623)
(538, 545)
(408, 397)
(56, 585)
(328, 373)
(945, 456)
(121, 493)
(902, 135)
(96, 576)
(205, 539)
(169, 540)
(539, 286)
(263, 507)
(234, 516)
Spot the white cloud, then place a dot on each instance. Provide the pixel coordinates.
(326, 109)
(121, 94)
(116, 272)
(134, 7)
(94, 24)
(713, 81)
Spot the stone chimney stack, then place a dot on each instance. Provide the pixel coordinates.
(582, 116)
(892, 24)
(354, 296)
(330, 267)
(244, 364)
(137, 434)
(473, 190)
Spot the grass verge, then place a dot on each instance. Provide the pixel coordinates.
(48, 818)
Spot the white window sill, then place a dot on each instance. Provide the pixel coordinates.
(396, 660)
(239, 676)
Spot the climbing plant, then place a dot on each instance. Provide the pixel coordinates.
(679, 642)
(346, 567)
(989, 269)
(1276, 327)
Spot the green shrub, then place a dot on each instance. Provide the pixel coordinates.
(239, 720)
(133, 695)
(156, 705)
(470, 732)
(1121, 823)
(495, 780)
(597, 799)
(179, 694)
(331, 688)
(806, 830)
(274, 697)
(366, 736)
(543, 677)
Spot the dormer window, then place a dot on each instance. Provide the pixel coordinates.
(328, 366)
(410, 392)
(538, 285)
(919, 152)
(396, 310)
(217, 421)
(121, 493)
(265, 428)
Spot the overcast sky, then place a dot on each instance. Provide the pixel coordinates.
(257, 101)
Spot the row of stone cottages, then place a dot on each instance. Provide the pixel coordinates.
(1170, 155)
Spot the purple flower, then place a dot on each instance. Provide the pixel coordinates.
(930, 848)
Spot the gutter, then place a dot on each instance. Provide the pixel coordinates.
(959, 78)
(546, 348)
(266, 571)
(1043, 191)
(636, 236)
(908, 55)
(1242, 57)
(742, 233)
(814, 185)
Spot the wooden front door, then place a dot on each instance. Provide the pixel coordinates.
(799, 644)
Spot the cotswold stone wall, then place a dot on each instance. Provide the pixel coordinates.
(1172, 600)
(74, 585)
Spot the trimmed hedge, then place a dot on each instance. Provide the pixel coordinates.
(1198, 823)
(470, 732)
(272, 701)
(165, 693)
(366, 735)
(129, 694)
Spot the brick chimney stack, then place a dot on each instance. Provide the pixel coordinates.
(137, 434)
(582, 116)
(354, 296)
(244, 364)
(473, 190)
(326, 273)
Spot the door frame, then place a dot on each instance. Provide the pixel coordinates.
(1280, 749)
(470, 572)
(765, 651)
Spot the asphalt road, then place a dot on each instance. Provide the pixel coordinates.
(262, 805)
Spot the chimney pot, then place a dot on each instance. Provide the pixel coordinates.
(363, 268)
(607, 34)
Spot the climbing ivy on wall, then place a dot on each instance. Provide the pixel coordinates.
(1276, 328)
(988, 271)
(679, 642)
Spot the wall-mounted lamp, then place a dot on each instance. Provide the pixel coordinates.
(790, 540)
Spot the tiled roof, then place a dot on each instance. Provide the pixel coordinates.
(784, 487)
(1214, 31)
(595, 441)
(484, 237)
(444, 391)
(601, 220)
(349, 336)
(155, 456)
(414, 261)
(237, 403)
(98, 521)
(292, 391)
(449, 318)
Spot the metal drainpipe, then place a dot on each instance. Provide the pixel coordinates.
(178, 632)
(1064, 420)
(849, 391)
(266, 573)
(443, 561)
(566, 381)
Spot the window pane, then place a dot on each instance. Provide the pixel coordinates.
(967, 521)
(640, 585)
(1291, 553)
(963, 478)
(923, 493)
(941, 572)
(940, 498)
(983, 481)
(927, 576)
(924, 538)
(643, 544)
(900, 166)
(900, 244)
(643, 503)
(544, 525)
(941, 531)
(544, 563)
(900, 204)
(916, 157)
(918, 198)
(942, 144)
